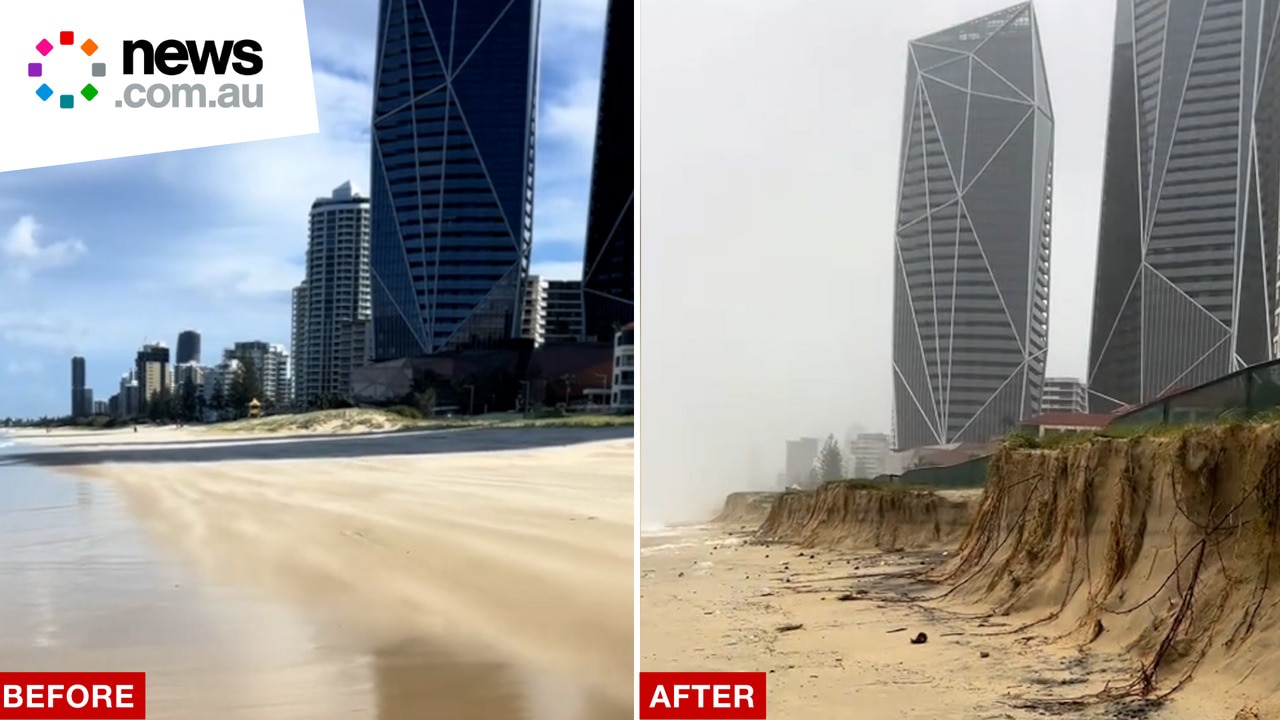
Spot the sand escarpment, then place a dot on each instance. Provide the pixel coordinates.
(1160, 547)
(746, 508)
(851, 515)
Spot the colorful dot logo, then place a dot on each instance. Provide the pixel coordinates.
(36, 69)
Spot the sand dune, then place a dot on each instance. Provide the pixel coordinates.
(854, 516)
(1109, 578)
(1162, 549)
(528, 553)
(746, 509)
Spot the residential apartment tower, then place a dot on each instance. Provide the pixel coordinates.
(608, 271)
(971, 247)
(1185, 285)
(332, 308)
(452, 170)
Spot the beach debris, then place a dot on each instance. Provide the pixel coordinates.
(895, 630)
(681, 574)
(790, 627)
(846, 597)
(984, 654)
(920, 639)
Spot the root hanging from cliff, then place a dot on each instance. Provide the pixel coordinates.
(1162, 547)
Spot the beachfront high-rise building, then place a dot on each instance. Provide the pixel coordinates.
(1186, 272)
(332, 308)
(608, 270)
(188, 350)
(454, 111)
(153, 373)
(298, 340)
(1064, 395)
(270, 364)
(130, 396)
(971, 247)
(870, 452)
(77, 387)
(564, 311)
(533, 322)
(801, 456)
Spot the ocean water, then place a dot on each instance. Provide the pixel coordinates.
(85, 588)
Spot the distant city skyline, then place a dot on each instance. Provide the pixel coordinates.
(222, 250)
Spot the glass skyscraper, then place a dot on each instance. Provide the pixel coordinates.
(454, 114)
(608, 271)
(971, 250)
(1187, 244)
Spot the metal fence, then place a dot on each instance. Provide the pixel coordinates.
(968, 474)
(1242, 394)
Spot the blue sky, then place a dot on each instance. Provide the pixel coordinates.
(97, 258)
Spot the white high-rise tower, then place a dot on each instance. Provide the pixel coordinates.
(331, 318)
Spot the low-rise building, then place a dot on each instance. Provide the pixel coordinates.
(1064, 395)
(1055, 423)
(870, 452)
(623, 389)
(533, 321)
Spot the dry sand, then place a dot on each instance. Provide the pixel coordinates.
(358, 423)
(832, 627)
(454, 575)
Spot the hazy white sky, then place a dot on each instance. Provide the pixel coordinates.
(769, 139)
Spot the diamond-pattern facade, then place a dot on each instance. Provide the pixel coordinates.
(1187, 244)
(453, 149)
(608, 270)
(971, 260)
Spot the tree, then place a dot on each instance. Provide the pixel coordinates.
(188, 400)
(830, 461)
(218, 398)
(245, 387)
(160, 406)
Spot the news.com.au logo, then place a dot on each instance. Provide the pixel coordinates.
(168, 57)
(703, 695)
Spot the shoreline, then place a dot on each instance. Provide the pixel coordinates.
(713, 600)
(525, 552)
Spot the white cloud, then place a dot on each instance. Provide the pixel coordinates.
(222, 244)
(25, 253)
(244, 274)
(559, 220)
(571, 116)
(573, 16)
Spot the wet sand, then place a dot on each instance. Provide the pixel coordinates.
(474, 585)
(711, 602)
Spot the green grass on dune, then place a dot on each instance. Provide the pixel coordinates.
(377, 420)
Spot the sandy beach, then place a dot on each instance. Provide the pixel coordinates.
(488, 584)
(832, 623)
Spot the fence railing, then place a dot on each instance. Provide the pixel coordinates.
(968, 474)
